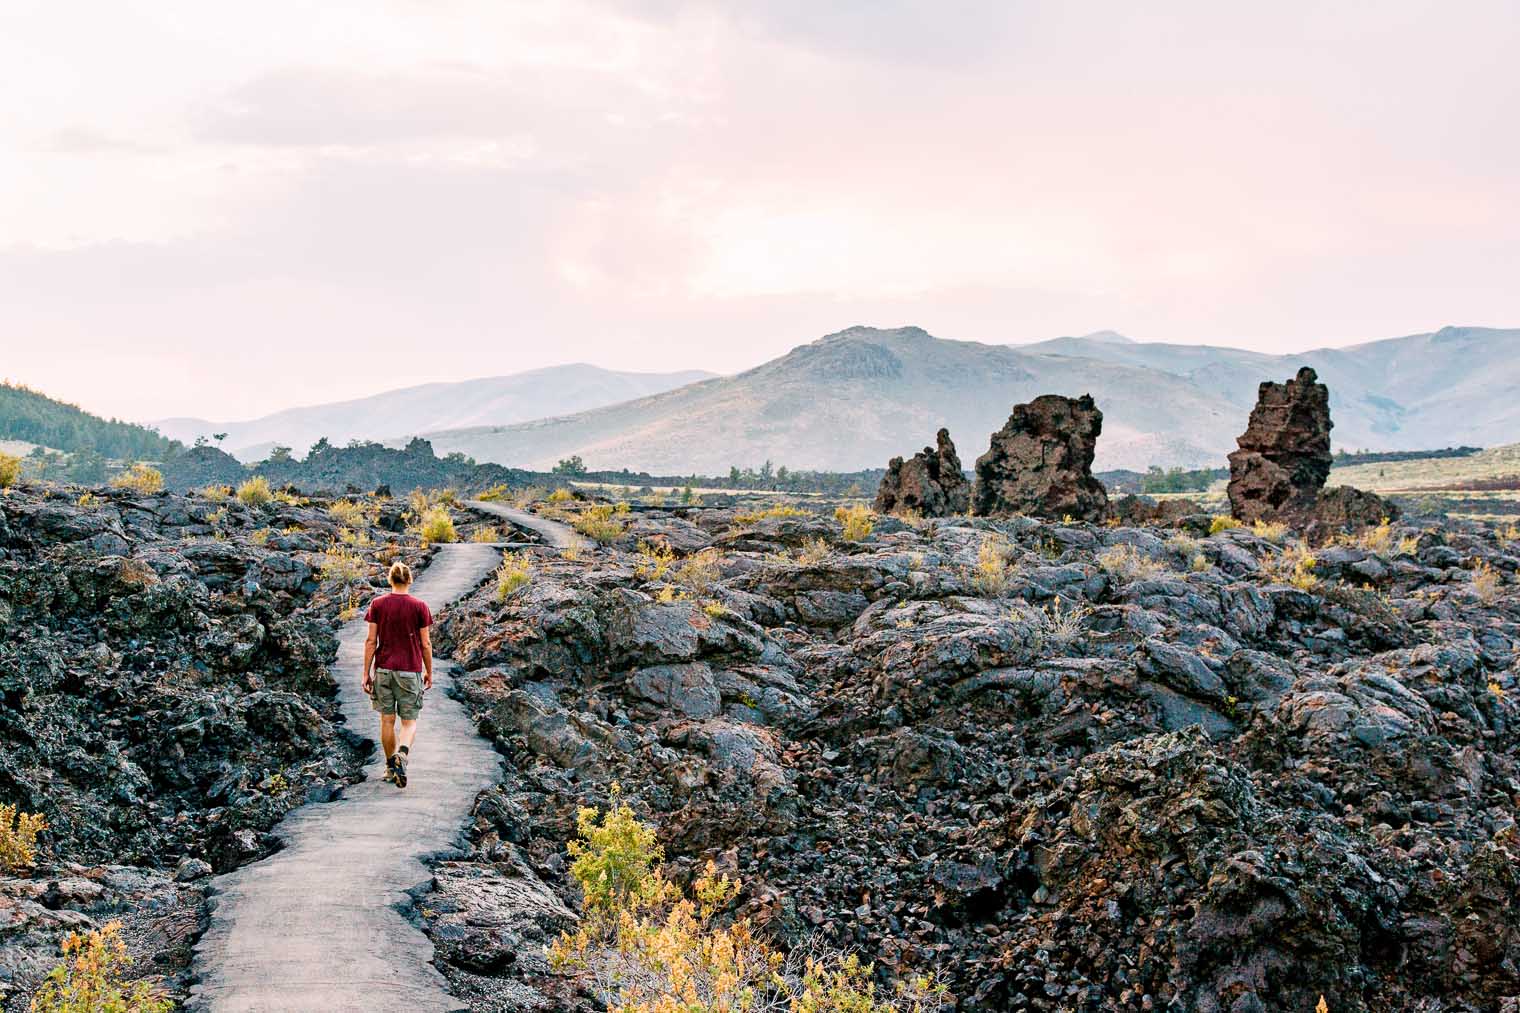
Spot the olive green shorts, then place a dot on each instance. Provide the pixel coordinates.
(398, 693)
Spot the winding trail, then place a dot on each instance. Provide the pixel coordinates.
(553, 532)
(317, 926)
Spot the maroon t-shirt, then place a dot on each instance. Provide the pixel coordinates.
(400, 619)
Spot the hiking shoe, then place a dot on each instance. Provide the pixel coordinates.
(398, 773)
(390, 769)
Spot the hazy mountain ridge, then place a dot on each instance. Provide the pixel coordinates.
(858, 397)
(496, 400)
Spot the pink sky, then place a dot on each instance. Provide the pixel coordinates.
(224, 210)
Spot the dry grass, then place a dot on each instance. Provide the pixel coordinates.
(601, 523)
(1486, 582)
(437, 526)
(858, 521)
(774, 510)
(350, 514)
(1431, 473)
(515, 572)
(1222, 522)
(140, 478)
(1377, 539)
(1293, 565)
(1063, 625)
(1272, 531)
(18, 838)
(10, 470)
(701, 570)
(255, 492)
(343, 565)
(813, 551)
(994, 568)
(654, 561)
(93, 979)
(1128, 563)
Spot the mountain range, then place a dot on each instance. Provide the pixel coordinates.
(489, 401)
(858, 397)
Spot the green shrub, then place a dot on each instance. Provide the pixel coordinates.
(255, 492)
(10, 470)
(140, 478)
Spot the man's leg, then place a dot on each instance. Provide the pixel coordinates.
(388, 734)
(406, 732)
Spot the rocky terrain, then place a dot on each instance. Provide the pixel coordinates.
(1071, 766)
(165, 700)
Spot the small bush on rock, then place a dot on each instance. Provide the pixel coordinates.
(349, 514)
(515, 572)
(92, 979)
(437, 526)
(598, 524)
(18, 838)
(654, 561)
(1222, 522)
(813, 551)
(774, 510)
(645, 947)
(10, 470)
(140, 478)
(255, 492)
(857, 520)
(994, 570)
(1377, 539)
(700, 570)
(1272, 531)
(217, 493)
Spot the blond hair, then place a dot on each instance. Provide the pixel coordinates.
(401, 574)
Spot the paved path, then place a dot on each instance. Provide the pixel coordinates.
(553, 532)
(316, 927)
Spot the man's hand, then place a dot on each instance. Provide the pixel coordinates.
(427, 679)
(368, 683)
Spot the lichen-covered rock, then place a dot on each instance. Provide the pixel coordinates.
(929, 484)
(1040, 462)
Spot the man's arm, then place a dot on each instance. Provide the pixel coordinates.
(371, 642)
(427, 657)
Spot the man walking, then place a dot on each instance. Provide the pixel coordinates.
(398, 667)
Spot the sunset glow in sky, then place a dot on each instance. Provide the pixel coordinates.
(227, 209)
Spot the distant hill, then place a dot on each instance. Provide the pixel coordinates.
(396, 414)
(28, 416)
(856, 398)
(1453, 386)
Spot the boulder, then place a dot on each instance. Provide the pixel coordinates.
(1040, 462)
(1343, 508)
(930, 484)
(1283, 457)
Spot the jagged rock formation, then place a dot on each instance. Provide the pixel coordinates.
(1040, 462)
(1284, 455)
(930, 483)
(1279, 470)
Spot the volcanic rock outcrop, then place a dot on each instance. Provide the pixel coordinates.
(1279, 470)
(930, 483)
(1040, 462)
(1284, 455)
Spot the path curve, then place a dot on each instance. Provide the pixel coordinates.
(553, 532)
(317, 926)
